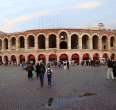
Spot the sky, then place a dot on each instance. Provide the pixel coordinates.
(21, 15)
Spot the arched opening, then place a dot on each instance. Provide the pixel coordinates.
(22, 58)
(74, 41)
(52, 57)
(13, 59)
(5, 60)
(52, 41)
(63, 36)
(31, 58)
(75, 58)
(63, 45)
(86, 56)
(31, 41)
(105, 56)
(96, 56)
(85, 42)
(0, 44)
(1, 60)
(112, 42)
(63, 57)
(13, 42)
(95, 42)
(5, 43)
(112, 56)
(21, 42)
(104, 43)
(41, 42)
(42, 57)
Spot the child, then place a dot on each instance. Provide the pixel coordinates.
(49, 75)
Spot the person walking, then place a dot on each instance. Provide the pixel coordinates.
(110, 70)
(29, 70)
(114, 68)
(49, 75)
(37, 70)
(42, 70)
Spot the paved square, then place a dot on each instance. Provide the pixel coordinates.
(80, 88)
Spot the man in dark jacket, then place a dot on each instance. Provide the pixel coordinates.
(114, 68)
(42, 70)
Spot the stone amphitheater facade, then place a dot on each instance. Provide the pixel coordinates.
(57, 44)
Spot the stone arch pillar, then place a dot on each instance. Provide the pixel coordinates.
(36, 42)
(69, 41)
(26, 44)
(80, 42)
(9, 44)
(100, 43)
(17, 44)
(57, 42)
(2, 45)
(109, 43)
(90, 43)
(46, 42)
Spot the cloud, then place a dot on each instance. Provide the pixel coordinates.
(87, 5)
(9, 24)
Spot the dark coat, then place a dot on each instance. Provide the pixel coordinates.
(114, 68)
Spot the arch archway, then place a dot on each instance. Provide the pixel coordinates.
(112, 56)
(86, 56)
(63, 45)
(75, 58)
(13, 59)
(52, 41)
(85, 42)
(42, 57)
(112, 42)
(74, 41)
(13, 42)
(104, 43)
(63, 57)
(31, 41)
(5, 43)
(22, 58)
(96, 56)
(63, 36)
(21, 42)
(6, 60)
(105, 56)
(52, 57)
(95, 41)
(31, 58)
(0, 44)
(41, 42)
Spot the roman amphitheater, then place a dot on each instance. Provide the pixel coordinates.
(57, 44)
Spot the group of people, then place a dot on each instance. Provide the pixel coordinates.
(39, 71)
(111, 72)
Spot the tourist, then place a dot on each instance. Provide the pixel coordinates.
(110, 71)
(49, 75)
(30, 69)
(114, 68)
(68, 65)
(41, 73)
(37, 69)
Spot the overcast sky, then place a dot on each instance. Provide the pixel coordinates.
(21, 15)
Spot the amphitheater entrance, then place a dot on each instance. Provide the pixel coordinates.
(22, 59)
(86, 56)
(6, 60)
(52, 57)
(96, 56)
(13, 59)
(64, 57)
(31, 58)
(42, 57)
(75, 58)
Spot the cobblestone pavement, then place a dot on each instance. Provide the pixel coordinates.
(80, 88)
